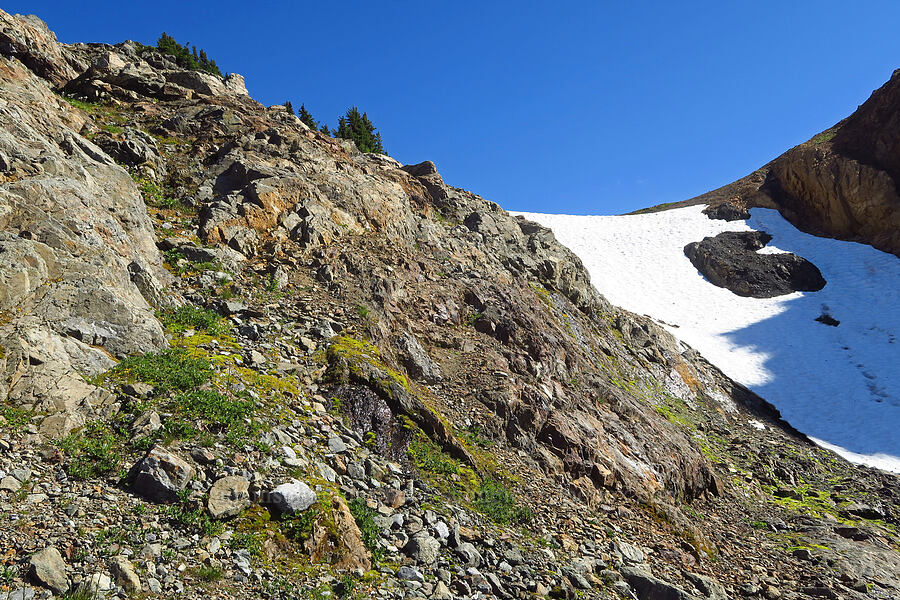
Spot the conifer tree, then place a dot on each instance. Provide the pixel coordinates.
(307, 118)
(356, 126)
(289, 107)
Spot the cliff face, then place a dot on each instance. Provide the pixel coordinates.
(460, 342)
(842, 183)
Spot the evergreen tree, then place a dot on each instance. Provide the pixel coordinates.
(324, 129)
(186, 56)
(356, 126)
(289, 107)
(307, 118)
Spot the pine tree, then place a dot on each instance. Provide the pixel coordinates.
(307, 118)
(289, 107)
(356, 126)
(324, 129)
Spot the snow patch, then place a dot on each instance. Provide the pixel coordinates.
(839, 385)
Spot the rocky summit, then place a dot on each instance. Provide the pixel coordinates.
(242, 359)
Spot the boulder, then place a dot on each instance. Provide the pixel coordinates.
(123, 571)
(648, 587)
(160, 475)
(48, 569)
(417, 362)
(423, 549)
(228, 497)
(731, 260)
(292, 498)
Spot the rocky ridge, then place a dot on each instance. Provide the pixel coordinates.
(344, 373)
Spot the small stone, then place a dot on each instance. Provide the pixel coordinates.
(10, 484)
(48, 568)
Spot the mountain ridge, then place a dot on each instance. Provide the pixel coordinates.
(361, 326)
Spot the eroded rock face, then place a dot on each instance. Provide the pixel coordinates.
(730, 260)
(843, 183)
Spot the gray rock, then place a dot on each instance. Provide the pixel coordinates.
(48, 569)
(336, 445)
(160, 475)
(228, 497)
(469, 554)
(710, 588)
(441, 592)
(410, 574)
(631, 554)
(292, 498)
(417, 362)
(123, 571)
(423, 549)
(648, 587)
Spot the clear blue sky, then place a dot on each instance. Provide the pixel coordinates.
(595, 107)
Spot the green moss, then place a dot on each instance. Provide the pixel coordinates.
(353, 351)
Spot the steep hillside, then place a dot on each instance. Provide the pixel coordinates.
(239, 357)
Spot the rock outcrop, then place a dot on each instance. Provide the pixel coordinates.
(842, 183)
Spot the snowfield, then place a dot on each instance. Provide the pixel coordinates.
(839, 385)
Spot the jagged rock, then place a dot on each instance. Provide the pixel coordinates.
(228, 497)
(28, 39)
(292, 498)
(730, 260)
(469, 554)
(407, 573)
(123, 571)
(417, 362)
(48, 569)
(145, 424)
(160, 475)
(648, 587)
(343, 543)
(710, 588)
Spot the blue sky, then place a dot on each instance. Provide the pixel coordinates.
(578, 107)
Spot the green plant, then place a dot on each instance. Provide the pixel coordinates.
(80, 593)
(8, 573)
(363, 311)
(356, 126)
(497, 502)
(188, 316)
(365, 520)
(208, 573)
(94, 451)
(170, 369)
(299, 527)
(251, 541)
(15, 417)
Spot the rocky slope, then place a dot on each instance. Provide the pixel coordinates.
(842, 183)
(352, 378)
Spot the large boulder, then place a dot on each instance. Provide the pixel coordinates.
(292, 498)
(731, 260)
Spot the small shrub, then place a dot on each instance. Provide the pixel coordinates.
(365, 520)
(498, 503)
(250, 541)
(94, 451)
(208, 573)
(16, 418)
(299, 527)
(188, 316)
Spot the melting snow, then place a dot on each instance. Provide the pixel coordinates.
(840, 385)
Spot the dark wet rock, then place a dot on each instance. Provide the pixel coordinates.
(730, 260)
(727, 211)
